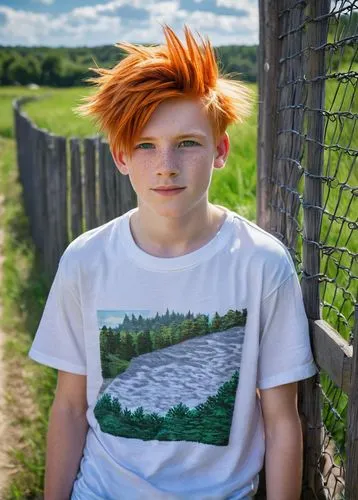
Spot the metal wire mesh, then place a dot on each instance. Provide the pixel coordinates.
(319, 63)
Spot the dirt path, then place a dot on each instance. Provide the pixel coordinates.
(3, 420)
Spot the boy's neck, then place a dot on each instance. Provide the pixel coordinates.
(173, 237)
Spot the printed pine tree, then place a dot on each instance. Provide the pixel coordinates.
(144, 343)
(126, 347)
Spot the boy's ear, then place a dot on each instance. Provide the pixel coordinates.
(222, 151)
(118, 159)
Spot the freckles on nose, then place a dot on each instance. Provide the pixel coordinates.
(166, 161)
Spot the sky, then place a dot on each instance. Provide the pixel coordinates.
(115, 318)
(73, 23)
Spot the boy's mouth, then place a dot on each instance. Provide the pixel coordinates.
(167, 190)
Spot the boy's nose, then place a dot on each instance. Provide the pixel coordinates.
(167, 165)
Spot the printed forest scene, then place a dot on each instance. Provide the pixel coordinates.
(160, 378)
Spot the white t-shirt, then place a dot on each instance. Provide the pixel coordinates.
(174, 349)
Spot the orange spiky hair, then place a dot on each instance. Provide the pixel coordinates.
(129, 93)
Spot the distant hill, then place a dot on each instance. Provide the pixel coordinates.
(67, 67)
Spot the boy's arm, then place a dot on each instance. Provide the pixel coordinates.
(66, 435)
(284, 447)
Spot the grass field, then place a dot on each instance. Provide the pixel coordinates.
(29, 387)
(25, 288)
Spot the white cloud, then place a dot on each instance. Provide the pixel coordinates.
(112, 321)
(44, 2)
(99, 9)
(233, 4)
(94, 25)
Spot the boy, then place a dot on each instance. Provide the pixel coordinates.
(164, 322)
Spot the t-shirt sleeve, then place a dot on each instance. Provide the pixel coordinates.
(285, 353)
(59, 341)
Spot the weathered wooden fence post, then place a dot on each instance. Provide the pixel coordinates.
(267, 128)
(310, 393)
(51, 184)
(42, 198)
(108, 174)
(127, 197)
(76, 189)
(35, 151)
(90, 182)
(287, 169)
(110, 171)
(60, 176)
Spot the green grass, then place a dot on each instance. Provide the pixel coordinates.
(235, 185)
(7, 95)
(55, 113)
(29, 387)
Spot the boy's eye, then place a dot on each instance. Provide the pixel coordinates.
(149, 145)
(143, 145)
(190, 143)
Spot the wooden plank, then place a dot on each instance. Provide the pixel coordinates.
(42, 195)
(37, 221)
(31, 195)
(26, 164)
(25, 136)
(309, 390)
(332, 353)
(286, 169)
(90, 182)
(118, 179)
(268, 78)
(110, 183)
(128, 197)
(54, 165)
(17, 127)
(352, 422)
(120, 193)
(102, 194)
(51, 188)
(19, 120)
(76, 189)
(60, 174)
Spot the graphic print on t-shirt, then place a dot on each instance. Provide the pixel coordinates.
(169, 377)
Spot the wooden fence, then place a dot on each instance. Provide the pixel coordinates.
(69, 186)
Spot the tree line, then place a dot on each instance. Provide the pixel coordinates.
(67, 67)
(138, 336)
(208, 422)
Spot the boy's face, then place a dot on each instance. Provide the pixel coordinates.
(176, 148)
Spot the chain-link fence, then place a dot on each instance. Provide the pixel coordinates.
(307, 197)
